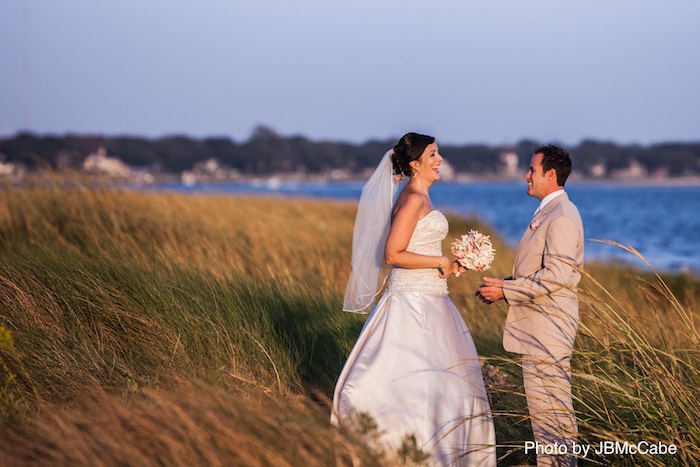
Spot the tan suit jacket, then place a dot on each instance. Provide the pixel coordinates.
(543, 314)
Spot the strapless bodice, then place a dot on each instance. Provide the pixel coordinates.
(427, 239)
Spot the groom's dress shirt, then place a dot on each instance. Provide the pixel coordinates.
(543, 314)
(547, 199)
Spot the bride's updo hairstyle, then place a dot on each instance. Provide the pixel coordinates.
(409, 148)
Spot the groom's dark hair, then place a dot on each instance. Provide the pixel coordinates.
(554, 157)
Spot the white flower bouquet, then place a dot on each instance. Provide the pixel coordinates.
(474, 251)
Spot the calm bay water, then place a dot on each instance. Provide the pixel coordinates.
(662, 222)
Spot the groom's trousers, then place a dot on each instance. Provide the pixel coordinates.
(548, 390)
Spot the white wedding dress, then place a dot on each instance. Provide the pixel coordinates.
(415, 369)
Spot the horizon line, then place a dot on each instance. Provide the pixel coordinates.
(368, 140)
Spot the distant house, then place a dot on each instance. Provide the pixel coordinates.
(6, 169)
(510, 164)
(632, 171)
(100, 163)
(598, 170)
(447, 172)
(209, 170)
(9, 170)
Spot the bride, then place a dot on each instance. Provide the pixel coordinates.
(414, 368)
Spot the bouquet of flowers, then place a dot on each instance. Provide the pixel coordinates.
(474, 251)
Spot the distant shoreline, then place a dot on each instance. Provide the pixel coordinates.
(648, 181)
(275, 180)
(670, 181)
(459, 179)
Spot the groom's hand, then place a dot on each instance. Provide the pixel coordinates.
(491, 290)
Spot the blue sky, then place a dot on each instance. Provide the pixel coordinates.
(464, 71)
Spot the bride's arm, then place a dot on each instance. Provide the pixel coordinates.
(402, 227)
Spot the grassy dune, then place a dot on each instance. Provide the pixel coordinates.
(217, 319)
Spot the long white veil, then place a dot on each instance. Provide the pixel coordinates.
(372, 223)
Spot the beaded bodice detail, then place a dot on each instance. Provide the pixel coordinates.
(427, 239)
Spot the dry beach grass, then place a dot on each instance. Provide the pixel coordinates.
(152, 329)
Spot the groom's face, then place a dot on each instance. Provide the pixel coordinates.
(537, 181)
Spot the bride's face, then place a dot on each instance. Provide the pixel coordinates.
(428, 166)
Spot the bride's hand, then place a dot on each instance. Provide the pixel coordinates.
(458, 269)
(452, 268)
(445, 271)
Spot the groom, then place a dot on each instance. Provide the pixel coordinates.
(543, 303)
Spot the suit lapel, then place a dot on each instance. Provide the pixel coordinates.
(536, 220)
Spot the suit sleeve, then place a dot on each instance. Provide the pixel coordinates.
(558, 264)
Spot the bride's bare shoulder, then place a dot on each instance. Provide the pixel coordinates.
(409, 201)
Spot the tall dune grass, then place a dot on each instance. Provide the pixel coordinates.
(175, 304)
(639, 366)
(193, 425)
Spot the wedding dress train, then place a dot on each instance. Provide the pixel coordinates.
(415, 369)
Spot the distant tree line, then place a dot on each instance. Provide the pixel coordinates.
(267, 152)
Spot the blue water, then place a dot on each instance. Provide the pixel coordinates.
(661, 222)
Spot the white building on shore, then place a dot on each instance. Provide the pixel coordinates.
(99, 163)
